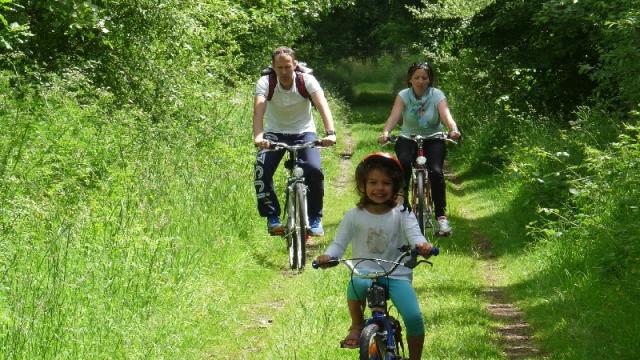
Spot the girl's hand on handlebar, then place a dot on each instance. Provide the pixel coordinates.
(424, 249)
(322, 260)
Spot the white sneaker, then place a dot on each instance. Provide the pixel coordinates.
(444, 229)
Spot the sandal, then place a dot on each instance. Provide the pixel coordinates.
(352, 341)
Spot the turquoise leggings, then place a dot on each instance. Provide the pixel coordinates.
(403, 296)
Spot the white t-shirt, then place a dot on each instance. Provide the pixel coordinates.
(377, 236)
(288, 112)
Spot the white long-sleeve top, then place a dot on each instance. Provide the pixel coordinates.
(377, 236)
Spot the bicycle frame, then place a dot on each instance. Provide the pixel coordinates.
(421, 200)
(421, 187)
(297, 227)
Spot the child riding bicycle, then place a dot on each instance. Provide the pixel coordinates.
(377, 228)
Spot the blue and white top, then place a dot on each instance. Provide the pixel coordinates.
(421, 116)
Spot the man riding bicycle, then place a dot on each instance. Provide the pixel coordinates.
(287, 114)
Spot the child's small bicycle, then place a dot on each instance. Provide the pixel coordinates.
(381, 337)
(297, 228)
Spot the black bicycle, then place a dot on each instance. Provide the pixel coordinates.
(381, 337)
(297, 229)
(421, 199)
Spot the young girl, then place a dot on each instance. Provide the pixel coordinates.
(424, 111)
(377, 227)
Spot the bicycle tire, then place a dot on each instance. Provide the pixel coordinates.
(301, 228)
(428, 204)
(291, 228)
(418, 187)
(372, 345)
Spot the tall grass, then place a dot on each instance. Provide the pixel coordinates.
(107, 217)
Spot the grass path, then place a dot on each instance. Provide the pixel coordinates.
(513, 333)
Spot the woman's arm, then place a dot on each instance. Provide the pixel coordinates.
(447, 119)
(394, 117)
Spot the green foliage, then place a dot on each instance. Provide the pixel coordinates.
(562, 51)
(441, 24)
(620, 57)
(154, 53)
(11, 33)
(360, 29)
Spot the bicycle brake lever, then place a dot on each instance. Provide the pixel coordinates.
(412, 263)
(404, 248)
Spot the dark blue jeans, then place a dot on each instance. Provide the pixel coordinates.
(266, 164)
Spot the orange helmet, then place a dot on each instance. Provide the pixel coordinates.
(378, 160)
(382, 156)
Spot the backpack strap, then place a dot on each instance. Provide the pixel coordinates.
(273, 80)
(300, 85)
(302, 88)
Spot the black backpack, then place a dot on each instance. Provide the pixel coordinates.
(301, 68)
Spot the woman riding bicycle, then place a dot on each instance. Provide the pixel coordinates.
(377, 228)
(424, 111)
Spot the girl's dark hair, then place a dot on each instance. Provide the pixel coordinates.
(283, 50)
(424, 66)
(390, 166)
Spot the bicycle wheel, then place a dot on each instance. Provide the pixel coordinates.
(428, 204)
(301, 226)
(291, 227)
(372, 345)
(418, 188)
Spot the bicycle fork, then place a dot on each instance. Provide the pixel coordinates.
(297, 188)
(389, 332)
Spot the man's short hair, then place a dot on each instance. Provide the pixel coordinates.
(283, 50)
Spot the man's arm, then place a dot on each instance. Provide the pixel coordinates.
(259, 108)
(327, 118)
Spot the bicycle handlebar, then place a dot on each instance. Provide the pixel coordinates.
(280, 145)
(437, 136)
(349, 263)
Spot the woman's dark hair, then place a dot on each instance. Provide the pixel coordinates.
(385, 163)
(424, 66)
(283, 50)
